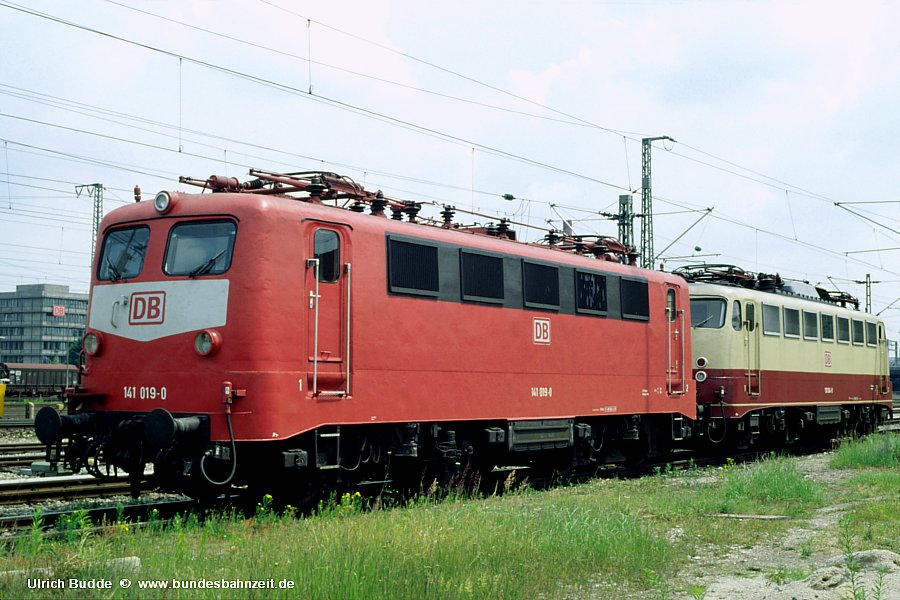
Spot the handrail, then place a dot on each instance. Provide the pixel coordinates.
(314, 303)
(315, 389)
(347, 354)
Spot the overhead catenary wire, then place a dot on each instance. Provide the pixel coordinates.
(310, 62)
(429, 131)
(718, 216)
(572, 119)
(378, 115)
(722, 217)
(717, 159)
(633, 136)
(406, 55)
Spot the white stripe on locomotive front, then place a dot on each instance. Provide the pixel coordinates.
(190, 306)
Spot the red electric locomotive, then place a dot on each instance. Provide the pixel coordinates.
(261, 333)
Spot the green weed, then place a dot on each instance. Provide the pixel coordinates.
(879, 450)
(773, 486)
(783, 575)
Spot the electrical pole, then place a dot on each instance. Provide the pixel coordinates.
(868, 283)
(647, 256)
(626, 220)
(868, 293)
(95, 190)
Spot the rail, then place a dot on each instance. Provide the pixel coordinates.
(21, 454)
(31, 491)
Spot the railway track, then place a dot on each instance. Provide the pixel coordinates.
(36, 490)
(26, 410)
(892, 425)
(135, 514)
(21, 448)
(21, 454)
(16, 423)
(21, 414)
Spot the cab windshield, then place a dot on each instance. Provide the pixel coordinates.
(707, 312)
(200, 248)
(123, 253)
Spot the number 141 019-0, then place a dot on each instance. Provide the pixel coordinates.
(144, 392)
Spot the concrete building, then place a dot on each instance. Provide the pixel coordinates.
(39, 322)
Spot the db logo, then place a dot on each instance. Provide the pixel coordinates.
(540, 331)
(147, 308)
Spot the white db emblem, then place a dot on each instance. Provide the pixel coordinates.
(540, 331)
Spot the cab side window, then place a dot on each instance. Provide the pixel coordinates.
(327, 249)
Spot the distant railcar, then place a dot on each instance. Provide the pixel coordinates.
(38, 379)
(895, 378)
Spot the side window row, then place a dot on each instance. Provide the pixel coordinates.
(415, 268)
(843, 329)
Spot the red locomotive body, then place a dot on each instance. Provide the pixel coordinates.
(249, 336)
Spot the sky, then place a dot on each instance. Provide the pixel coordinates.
(783, 116)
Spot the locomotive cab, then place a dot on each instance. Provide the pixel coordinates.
(153, 351)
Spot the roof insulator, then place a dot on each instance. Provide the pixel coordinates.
(447, 214)
(411, 208)
(378, 204)
(316, 186)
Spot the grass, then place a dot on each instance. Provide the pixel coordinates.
(877, 521)
(880, 450)
(608, 537)
(773, 486)
(783, 575)
(454, 549)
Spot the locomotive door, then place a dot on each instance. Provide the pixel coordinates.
(884, 379)
(328, 322)
(754, 375)
(675, 344)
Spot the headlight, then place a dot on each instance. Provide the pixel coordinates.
(207, 342)
(700, 376)
(91, 343)
(163, 202)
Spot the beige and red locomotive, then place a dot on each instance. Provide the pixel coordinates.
(780, 361)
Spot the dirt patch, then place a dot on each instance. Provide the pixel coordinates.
(802, 563)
